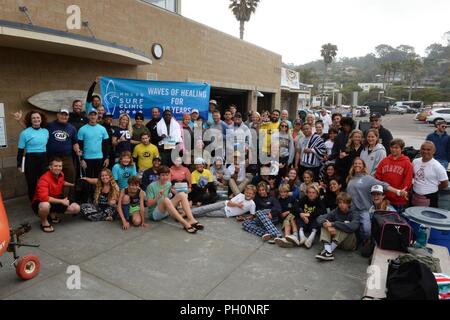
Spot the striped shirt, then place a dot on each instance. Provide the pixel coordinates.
(316, 144)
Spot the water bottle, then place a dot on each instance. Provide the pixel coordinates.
(421, 240)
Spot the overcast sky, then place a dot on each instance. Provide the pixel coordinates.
(296, 29)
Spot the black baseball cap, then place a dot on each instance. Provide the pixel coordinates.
(375, 115)
(108, 115)
(139, 116)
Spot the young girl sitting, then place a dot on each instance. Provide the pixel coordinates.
(288, 218)
(106, 197)
(308, 180)
(131, 205)
(123, 170)
(308, 209)
(333, 189)
(293, 182)
(180, 176)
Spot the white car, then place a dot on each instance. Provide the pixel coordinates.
(438, 114)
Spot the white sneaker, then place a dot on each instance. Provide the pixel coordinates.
(302, 241)
(293, 239)
(266, 237)
(309, 242)
(283, 243)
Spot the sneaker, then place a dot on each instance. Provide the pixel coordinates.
(283, 243)
(266, 237)
(309, 242)
(271, 241)
(293, 239)
(302, 241)
(325, 256)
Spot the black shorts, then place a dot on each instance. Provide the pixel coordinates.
(54, 207)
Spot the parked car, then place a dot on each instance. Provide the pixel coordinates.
(397, 110)
(409, 109)
(438, 114)
(381, 107)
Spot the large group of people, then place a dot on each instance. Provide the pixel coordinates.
(318, 177)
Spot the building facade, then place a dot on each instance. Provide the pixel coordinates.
(39, 53)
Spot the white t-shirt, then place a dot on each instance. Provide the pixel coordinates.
(249, 206)
(327, 122)
(428, 176)
(329, 144)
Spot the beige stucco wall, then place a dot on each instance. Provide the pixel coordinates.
(192, 51)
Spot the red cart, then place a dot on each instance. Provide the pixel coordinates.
(27, 267)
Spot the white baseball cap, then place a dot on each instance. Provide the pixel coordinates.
(199, 161)
(195, 110)
(377, 189)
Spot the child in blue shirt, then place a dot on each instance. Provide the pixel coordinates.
(124, 170)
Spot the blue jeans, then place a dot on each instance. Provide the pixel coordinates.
(365, 226)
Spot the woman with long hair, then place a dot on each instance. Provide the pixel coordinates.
(359, 185)
(352, 150)
(106, 197)
(373, 151)
(33, 140)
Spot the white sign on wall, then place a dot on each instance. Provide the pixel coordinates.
(3, 139)
(290, 78)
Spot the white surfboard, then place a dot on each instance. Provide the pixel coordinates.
(54, 100)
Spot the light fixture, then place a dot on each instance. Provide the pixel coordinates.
(258, 94)
(25, 11)
(86, 25)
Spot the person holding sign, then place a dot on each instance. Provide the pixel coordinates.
(169, 131)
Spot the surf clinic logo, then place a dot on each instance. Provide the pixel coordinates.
(124, 102)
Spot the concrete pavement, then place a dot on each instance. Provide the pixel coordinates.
(164, 262)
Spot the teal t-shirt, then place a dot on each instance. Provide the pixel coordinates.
(34, 140)
(92, 137)
(153, 190)
(122, 174)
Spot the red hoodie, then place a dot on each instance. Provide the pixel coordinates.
(398, 173)
(49, 186)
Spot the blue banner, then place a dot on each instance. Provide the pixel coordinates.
(132, 96)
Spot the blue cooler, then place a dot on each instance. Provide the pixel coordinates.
(438, 220)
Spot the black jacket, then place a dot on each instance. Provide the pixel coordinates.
(151, 126)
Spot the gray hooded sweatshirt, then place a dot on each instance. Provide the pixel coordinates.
(374, 158)
(359, 189)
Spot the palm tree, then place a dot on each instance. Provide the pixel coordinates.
(395, 67)
(386, 67)
(243, 9)
(412, 67)
(328, 52)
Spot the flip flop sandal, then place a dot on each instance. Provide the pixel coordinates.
(191, 230)
(46, 229)
(198, 226)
